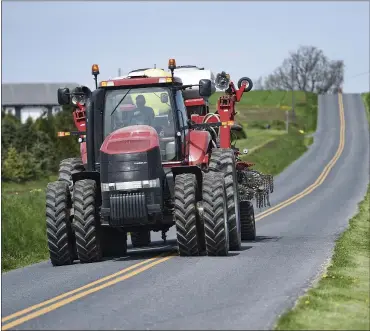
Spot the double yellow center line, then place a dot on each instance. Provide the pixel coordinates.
(68, 297)
(323, 174)
(47, 306)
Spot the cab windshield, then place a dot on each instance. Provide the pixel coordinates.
(141, 106)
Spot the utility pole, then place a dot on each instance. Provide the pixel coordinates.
(155, 66)
(287, 121)
(293, 99)
(119, 72)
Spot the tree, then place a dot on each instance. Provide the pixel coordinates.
(307, 69)
(10, 127)
(18, 167)
(258, 84)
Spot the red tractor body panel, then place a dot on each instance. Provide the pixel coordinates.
(132, 139)
(83, 152)
(194, 102)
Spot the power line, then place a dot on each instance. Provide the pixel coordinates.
(362, 74)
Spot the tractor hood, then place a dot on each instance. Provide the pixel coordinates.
(131, 139)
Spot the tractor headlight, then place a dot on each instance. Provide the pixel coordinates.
(125, 186)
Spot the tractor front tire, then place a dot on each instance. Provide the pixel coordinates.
(215, 214)
(86, 222)
(248, 223)
(61, 241)
(68, 167)
(186, 216)
(140, 239)
(224, 161)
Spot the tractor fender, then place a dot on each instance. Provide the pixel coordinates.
(93, 175)
(198, 146)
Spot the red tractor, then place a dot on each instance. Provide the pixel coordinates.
(139, 172)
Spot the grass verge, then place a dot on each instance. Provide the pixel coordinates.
(23, 230)
(340, 300)
(366, 99)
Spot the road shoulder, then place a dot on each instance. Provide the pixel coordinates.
(340, 300)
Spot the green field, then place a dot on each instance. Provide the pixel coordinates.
(23, 214)
(340, 300)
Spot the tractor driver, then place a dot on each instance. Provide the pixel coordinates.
(142, 114)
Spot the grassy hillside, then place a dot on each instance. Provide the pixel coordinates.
(259, 108)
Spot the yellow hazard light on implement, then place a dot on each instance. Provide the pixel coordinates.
(63, 134)
(103, 84)
(171, 64)
(95, 69)
(227, 123)
(168, 79)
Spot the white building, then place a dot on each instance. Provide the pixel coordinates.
(25, 100)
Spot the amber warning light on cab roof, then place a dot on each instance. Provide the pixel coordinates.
(172, 64)
(95, 69)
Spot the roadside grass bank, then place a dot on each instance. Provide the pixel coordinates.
(340, 300)
(23, 215)
(366, 99)
(23, 230)
(276, 155)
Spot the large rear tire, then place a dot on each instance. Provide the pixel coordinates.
(140, 239)
(186, 215)
(224, 161)
(215, 214)
(86, 222)
(61, 241)
(248, 222)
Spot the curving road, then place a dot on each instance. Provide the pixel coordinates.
(246, 290)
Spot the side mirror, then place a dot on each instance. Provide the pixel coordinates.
(164, 97)
(245, 151)
(64, 97)
(205, 87)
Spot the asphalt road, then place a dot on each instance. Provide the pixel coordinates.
(246, 290)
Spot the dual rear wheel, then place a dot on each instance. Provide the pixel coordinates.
(84, 238)
(201, 232)
(223, 221)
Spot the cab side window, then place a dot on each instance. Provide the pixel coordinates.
(183, 118)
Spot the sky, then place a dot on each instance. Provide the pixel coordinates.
(59, 41)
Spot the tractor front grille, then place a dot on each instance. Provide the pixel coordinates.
(127, 208)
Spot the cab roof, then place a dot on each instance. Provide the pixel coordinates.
(139, 80)
(146, 76)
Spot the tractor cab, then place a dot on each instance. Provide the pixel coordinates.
(154, 105)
